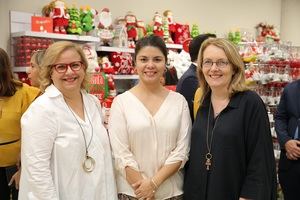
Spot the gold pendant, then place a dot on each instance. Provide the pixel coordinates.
(208, 158)
(88, 164)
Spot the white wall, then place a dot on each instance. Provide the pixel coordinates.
(214, 15)
(290, 24)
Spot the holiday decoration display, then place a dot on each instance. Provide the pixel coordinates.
(25, 46)
(266, 33)
(131, 25)
(182, 33)
(158, 25)
(106, 66)
(195, 31)
(74, 26)
(235, 36)
(105, 27)
(91, 56)
(168, 15)
(141, 29)
(98, 86)
(120, 38)
(58, 12)
(87, 19)
(122, 62)
(167, 37)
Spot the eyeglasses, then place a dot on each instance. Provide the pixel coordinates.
(219, 63)
(63, 67)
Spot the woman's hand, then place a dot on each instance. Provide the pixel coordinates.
(144, 189)
(15, 178)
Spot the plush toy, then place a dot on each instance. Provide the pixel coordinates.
(87, 19)
(158, 25)
(58, 12)
(74, 26)
(131, 25)
(106, 66)
(105, 26)
(91, 56)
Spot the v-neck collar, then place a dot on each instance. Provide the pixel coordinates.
(144, 107)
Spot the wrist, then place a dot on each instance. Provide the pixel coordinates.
(153, 184)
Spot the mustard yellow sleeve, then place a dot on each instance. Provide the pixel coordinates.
(29, 95)
(196, 103)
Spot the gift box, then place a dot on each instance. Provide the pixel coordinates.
(42, 24)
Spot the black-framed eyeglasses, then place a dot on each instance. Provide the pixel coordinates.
(63, 67)
(220, 63)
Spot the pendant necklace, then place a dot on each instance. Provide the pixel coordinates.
(89, 162)
(208, 155)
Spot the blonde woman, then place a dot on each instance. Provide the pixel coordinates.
(65, 147)
(231, 153)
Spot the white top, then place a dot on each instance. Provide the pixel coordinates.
(146, 143)
(53, 151)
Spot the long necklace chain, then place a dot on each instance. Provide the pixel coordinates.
(208, 155)
(85, 144)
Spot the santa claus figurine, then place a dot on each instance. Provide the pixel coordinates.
(131, 25)
(58, 12)
(158, 25)
(105, 25)
(106, 66)
(168, 14)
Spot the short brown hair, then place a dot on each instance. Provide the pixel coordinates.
(52, 54)
(237, 83)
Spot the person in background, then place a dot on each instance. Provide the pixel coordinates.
(15, 97)
(149, 129)
(287, 127)
(188, 82)
(231, 154)
(35, 63)
(65, 148)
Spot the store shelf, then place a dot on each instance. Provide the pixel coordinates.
(115, 49)
(56, 36)
(19, 69)
(174, 46)
(131, 50)
(123, 77)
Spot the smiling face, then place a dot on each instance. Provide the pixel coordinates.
(150, 64)
(217, 77)
(69, 81)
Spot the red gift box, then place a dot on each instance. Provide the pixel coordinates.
(41, 24)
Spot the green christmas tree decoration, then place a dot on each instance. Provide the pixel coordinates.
(195, 31)
(149, 29)
(74, 26)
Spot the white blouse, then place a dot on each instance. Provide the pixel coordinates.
(53, 150)
(146, 143)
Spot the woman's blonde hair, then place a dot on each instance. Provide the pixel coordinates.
(237, 83)
(51, 56)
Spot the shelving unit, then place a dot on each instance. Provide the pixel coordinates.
(56, 36)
